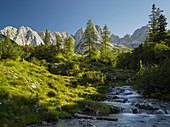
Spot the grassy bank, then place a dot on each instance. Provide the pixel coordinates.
(30, 93)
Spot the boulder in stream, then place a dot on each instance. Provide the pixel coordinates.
(115, 110)
(160, 111)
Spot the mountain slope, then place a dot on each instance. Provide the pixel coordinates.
(25, 35)
(131, 41)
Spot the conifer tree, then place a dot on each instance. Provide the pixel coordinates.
(94, 52)
(47, 38)
(162, 32)
(65, 45)
(9, 49)
(58, 43)
(152, 26)
(90, 37)
(102, 51)
(157, 26)
(105, 37)
(69, 47)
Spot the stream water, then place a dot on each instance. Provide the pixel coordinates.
(133, 110)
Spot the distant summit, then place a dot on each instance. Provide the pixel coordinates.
(25, 35)
(131, 41)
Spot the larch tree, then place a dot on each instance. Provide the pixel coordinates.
(69, 44)
(106, 40)
(94, 52)
(90, 37)
(47, 38)
(9, 49)
(58, 43)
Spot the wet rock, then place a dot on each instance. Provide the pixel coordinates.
(135, 111)
(167, 112)
(146, 106)
(118, 100)
(85, 123)
(115, 110)
(112, 97)
(125, 100)
(127, 110)
(95, 117)
(160, 111)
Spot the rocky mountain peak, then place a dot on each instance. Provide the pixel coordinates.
(25, 35)
(114, 39)
(79, 35)
(131, 41)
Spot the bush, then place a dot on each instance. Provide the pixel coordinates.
(154, 81)
(95, 77)
(9, 49)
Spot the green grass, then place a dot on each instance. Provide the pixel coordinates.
(30, 93)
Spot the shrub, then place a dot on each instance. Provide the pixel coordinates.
(154, 81)
(95, 77)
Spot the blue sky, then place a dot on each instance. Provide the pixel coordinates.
(121, 16)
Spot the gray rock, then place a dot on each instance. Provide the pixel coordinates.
(115, 110)
(160, 111)
(167, 112)
(44, 123)
(135, 111)
(125, 100)
(54, 65)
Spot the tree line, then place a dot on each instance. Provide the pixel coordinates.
(48, 51)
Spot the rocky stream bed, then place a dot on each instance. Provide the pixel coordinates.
(130, 108)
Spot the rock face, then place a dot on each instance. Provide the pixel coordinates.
(79, 48)
(131, 41)
(25, 35)
(114, 39)
(79, 34)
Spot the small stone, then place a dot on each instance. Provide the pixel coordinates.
(67, 81)
(44, 123)
(33, 85)
(59, 107)
(15, 77)
(50, 124)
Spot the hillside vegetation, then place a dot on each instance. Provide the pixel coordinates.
(50, 82)
(31, 94)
